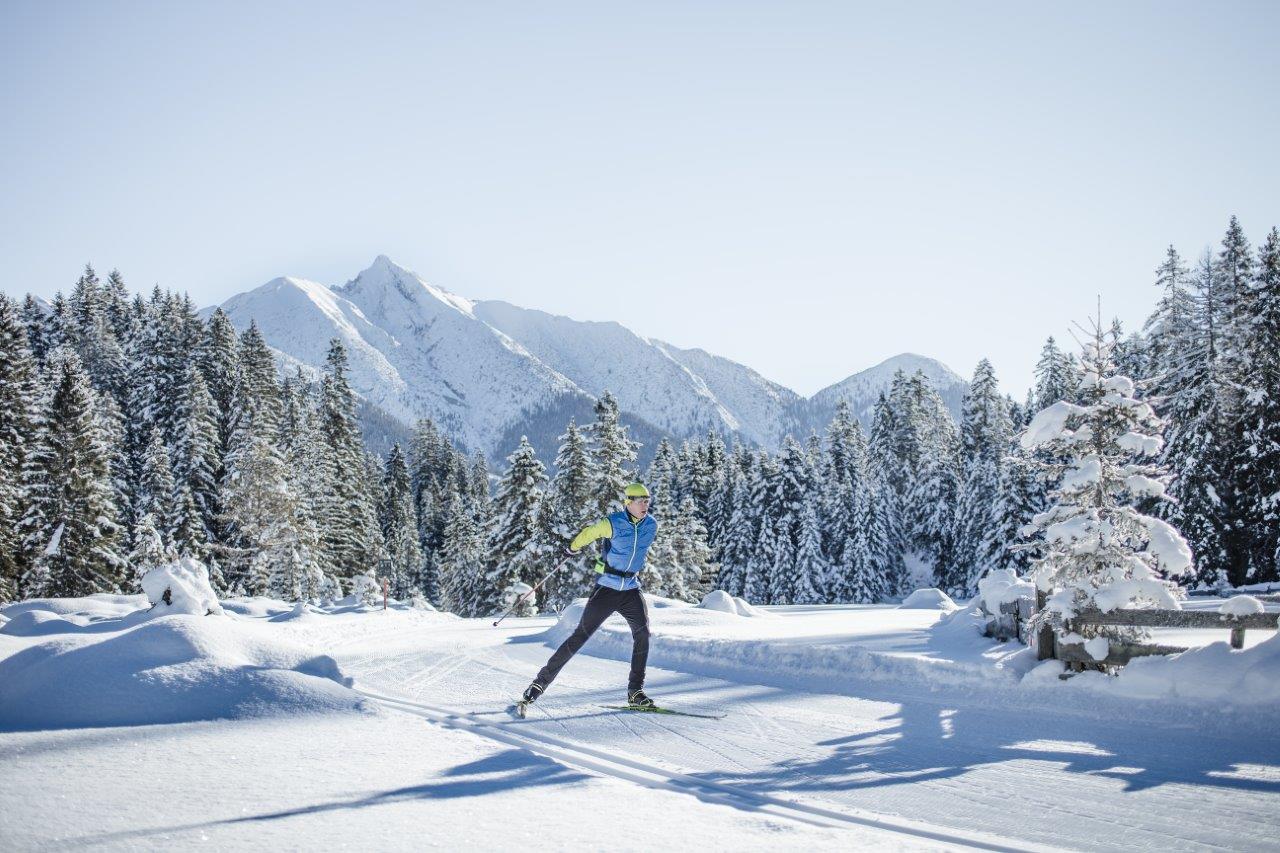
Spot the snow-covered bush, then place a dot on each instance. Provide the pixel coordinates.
(1000, 586)
(1095, 548)
(512, 594)
(181, 586)
(365, 590)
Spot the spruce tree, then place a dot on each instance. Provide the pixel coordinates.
(509, 554)
(811, 570)
(352, 539)
(613, 452)
(398, 526)
(693, 552)
(156, 493)
(1257, 461)
(571, 505)
(69, 531)
(19, 403)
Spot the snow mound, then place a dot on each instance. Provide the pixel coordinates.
(928, 599)
(180, 587)
(301, 612)
(92, 607)
(1215, 676)
(171, 669)
(1241, 605)
(999, 586)
(724, 602)
(40, 623)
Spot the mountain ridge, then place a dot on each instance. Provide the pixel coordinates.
(483, 368)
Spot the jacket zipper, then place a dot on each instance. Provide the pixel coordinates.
(635, 546)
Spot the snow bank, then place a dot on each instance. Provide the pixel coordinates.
(725, 603)
(180, 587)
(170, 669)
(1215, 676)
(928, 599)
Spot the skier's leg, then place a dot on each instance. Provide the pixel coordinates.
(633, 608)
(599, 606)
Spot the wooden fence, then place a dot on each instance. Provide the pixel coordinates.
(1012, 622)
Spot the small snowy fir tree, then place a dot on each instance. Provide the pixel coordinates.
(693, 553)
(1097, 549)
(512, 558)
(810, 566)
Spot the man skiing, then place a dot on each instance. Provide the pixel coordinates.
(626, 537)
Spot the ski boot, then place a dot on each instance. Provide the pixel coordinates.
(637, 699)
(531, 694)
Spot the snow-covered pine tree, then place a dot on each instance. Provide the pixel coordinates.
(867, 571)
(1170, 324)
(885, 477)
(614, 454)
(37, 321)
(510, 558)
(1055, 376)
(693, 553)
(791, 489)
(19, 404)
(1096, 548)
(478, 477)
(664, 478)
(759, 566)
(1258, 456)
(461, 562)
(69, 531)
(254, 472)
(570, 506)
(196, 464)
(1189, 388)
(219, 360)
(738, 531)
(399, 528)
(156, 489)
(986, 431)
(810, 568)
(352, 540)
(707, 475)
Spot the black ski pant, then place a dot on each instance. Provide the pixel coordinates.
(602, 604)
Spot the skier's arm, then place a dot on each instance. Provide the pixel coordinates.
(602, 529)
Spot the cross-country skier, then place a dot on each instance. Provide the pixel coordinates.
(626, 537)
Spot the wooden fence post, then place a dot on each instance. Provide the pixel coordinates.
(1044, 638)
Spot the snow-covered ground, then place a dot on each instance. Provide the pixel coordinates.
(845, 727)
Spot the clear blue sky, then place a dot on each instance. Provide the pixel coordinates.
(806, 188)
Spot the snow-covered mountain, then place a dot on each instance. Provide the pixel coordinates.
(488, 372)
(861, 390)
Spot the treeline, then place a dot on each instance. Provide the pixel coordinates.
(132, 432)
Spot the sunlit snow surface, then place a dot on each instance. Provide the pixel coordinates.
(846, 727)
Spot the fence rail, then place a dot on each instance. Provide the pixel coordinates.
(1013, 617)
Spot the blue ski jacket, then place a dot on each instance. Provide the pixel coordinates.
(625, 541)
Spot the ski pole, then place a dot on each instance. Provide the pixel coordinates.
(521, 599)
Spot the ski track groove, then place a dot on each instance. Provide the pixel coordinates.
(635, 770)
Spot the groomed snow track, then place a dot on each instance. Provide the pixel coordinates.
(654, 776)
